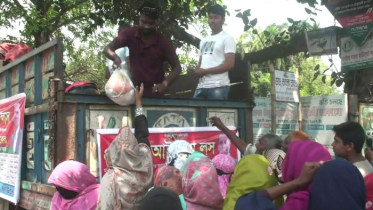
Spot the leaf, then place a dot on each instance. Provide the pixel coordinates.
(290, 20)
(247, 27)
(308, 10)
(254, 22)
(315, 75)
(237, 10)
(245, 20)
(333, 81)
(239, 15)
(334, 75)
(317, 67)
(323, 79)
(313, 20)
(255, 31)
(326, 70)
(339, 82)
(247, 12)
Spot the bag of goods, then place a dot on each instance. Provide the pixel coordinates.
(119, 88)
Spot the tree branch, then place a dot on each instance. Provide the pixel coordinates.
(56, 20)
(184, 36)
(67, 22)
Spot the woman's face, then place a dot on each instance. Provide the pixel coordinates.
(223, 145)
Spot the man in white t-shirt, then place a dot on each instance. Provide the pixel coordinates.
(217, 55)
(348, 143)
(123, 54)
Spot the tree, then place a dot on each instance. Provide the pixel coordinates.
(44, 19)
(258, 39)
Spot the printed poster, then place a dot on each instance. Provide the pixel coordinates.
(322, 42)
(286, 118)
(208, 140)
(366, 118)
(11, 134)
(320, 114)
(286, 86)
(354, 15)
(355, 57)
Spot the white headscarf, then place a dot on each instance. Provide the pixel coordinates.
(178, 152)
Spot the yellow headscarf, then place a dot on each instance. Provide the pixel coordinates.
(253, 173)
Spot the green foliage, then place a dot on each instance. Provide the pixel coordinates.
(88, 63)
(250, 41)
(318, 86)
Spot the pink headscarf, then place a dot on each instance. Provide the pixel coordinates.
(74, 176)
(298, 154)
(200, 184)
(226, 164)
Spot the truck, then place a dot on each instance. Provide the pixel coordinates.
(60, 126)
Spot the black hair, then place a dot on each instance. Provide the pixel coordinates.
(217, 10)
(153, 12)
(351, 132)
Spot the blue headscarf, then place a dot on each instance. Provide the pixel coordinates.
(338, 185)
(254, 200)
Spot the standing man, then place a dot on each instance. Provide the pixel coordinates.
(348, 143)
(217, 56)
(149, 49)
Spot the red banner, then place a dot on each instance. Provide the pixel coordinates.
(208, 140)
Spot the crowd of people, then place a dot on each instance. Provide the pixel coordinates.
(292, 174)
(295, 173)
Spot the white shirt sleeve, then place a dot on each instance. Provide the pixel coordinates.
(229, 45)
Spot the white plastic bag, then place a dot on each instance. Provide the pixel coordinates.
(119, 88)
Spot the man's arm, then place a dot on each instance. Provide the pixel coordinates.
(120, 41)
(174, 62)
(224, 67)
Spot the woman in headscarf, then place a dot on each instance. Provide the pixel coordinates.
(299, 153)
(170, 177)
(201, 184)
(369, 188)
(252, 174)
(76, 187)
(294, 136)
(225, 166)
(338, 185)
(178, 152)
(159, 198)
(130, 172)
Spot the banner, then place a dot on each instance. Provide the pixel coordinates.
(286, 118)
(286, 86)
(355, 16)
(11, 134)
(320, 114)
(354, 57)
(208, 140)
(322, 42)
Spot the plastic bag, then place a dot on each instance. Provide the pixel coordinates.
(119, 88)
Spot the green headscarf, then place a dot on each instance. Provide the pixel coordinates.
(252, 173)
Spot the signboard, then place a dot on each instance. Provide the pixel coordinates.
(320, 114)
(227, 116)
(11, 134)
(355, 16)
(366, 118)
(208, 140)
(286, 86)
(354, 57)
(322, 42)
(286, 118)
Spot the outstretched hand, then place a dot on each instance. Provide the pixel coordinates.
(308, 172)
(139, 92)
